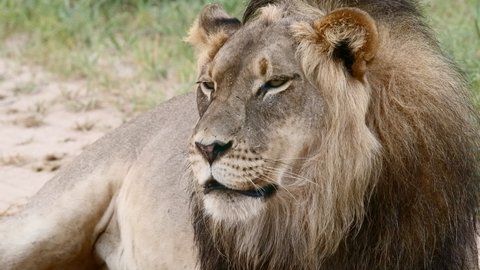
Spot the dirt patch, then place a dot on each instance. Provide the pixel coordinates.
(44, 123)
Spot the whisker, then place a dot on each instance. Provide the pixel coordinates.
(286, 159)
(290, 174)
(251, 181)
(270, 180)
(288, 167)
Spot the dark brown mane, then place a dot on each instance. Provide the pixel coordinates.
(255, 5)
(377, 8)
(210, 256)
(423, 208)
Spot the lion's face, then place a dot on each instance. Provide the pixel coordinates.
(282, 103)
(259, 118)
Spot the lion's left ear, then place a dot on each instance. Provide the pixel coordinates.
(211, 29)
(346, 35)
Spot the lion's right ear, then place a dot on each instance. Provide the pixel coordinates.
(211, 30)
(346, 35)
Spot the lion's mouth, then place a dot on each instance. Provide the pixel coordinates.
(262, 192)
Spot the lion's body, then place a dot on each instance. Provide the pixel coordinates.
(111, 205)
(365, 143)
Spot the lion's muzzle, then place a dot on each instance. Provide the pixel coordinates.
(212, 151)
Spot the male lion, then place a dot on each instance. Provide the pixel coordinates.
(332, 135)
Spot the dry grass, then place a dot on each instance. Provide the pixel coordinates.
(24, 89)
(84, 126)
(13, 160)
(30, 121)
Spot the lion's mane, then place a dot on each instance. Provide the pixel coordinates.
(402, 194)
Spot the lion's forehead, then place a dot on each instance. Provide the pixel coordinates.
(244, 51)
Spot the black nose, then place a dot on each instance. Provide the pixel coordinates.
(214, 150)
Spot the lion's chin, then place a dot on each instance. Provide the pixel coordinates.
(232, 207)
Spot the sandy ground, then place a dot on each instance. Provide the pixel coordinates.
(44, 122)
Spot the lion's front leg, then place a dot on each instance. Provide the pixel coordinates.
(58, 228)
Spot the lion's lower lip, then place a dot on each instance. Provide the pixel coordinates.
(262, 192)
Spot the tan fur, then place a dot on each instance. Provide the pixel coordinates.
(368, 137)
(114, 207)
(270, 14)
(201, 40)
(355, 25)
(346, 140)
(209, 43)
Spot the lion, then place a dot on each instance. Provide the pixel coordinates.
(326, 135)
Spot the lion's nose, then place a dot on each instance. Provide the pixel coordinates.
(214, 150)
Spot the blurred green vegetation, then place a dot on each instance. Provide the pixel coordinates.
(132, 47)
(457, 24)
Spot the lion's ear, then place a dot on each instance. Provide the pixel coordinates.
(346, 35)
(211, 29)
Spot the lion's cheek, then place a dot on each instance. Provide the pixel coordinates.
(288, 144)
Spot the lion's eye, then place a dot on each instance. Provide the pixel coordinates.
(275, 83)
(274, 86)
(208, 85)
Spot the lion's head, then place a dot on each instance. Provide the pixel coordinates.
(291, 141)
(264, 118)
